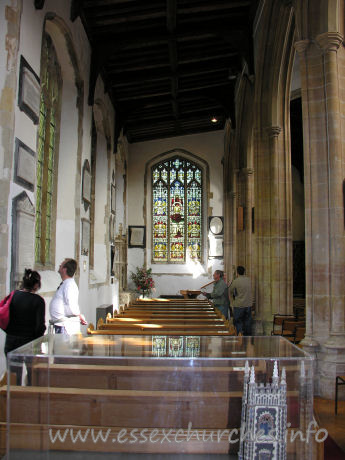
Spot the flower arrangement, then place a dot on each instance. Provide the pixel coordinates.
(143, 280)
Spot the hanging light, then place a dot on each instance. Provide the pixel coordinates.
(214, 119)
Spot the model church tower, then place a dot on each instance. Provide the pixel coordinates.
(263, 421)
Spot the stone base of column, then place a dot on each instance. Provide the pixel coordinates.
(331, 362)
(257, 328)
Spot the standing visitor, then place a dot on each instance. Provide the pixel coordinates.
(219, 294)
(64, 307)
(27, 313)
(241, 292)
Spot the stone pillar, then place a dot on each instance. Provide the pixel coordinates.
(309, 343)
(248, 186)
(322, 64)
(273, 228)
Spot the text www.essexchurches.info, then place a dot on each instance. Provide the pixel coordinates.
(163, 435)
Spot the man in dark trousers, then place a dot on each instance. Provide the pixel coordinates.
(241, 292)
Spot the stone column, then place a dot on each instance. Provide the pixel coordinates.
(329, 43)
(309, 342)
(333, 361)
(322, 64)
(248, 185)
(280, 226)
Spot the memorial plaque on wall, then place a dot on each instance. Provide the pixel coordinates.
(85, 237)
(86, 184)
(29, 91)
(25, 165)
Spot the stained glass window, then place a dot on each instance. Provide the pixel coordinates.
(177, 211)
(49, 105)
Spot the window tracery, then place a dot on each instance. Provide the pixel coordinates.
(177, 211)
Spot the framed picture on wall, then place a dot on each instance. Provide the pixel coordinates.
(216, 225)
(216, 248)
(136, 236)
(29, 91)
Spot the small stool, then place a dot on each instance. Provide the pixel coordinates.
(339, 380)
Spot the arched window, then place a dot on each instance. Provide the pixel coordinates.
(177, 211)
(47, 141)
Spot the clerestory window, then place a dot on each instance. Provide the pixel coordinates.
(46, 151)
(177, 211)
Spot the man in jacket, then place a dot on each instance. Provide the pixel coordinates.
(241, 292)
(219, 294)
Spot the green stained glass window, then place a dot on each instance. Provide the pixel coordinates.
(46, 151)
(177, 211)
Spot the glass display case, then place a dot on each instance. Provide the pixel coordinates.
(144, 396)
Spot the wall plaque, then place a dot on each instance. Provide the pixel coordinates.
(24, 165)
(85, 237)
(29, 91)
(86, 185)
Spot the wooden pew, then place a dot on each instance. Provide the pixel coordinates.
(127, 393)
(165, 320)
(126, 408)
(135, 377)
(202, 332)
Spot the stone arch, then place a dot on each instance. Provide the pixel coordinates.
(273, 211)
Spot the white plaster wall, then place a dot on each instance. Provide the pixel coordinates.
(67, 223)
(170, 278)
(101, 209)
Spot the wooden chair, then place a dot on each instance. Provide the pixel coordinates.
(278, 321)
(339, 380)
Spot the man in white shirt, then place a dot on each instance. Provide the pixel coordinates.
(64, 307)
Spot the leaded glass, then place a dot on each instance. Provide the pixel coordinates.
(46, 152)
(176, 217)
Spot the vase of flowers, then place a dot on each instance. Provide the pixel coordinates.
(142, 278)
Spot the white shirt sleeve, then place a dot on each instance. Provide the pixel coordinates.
(70, 298)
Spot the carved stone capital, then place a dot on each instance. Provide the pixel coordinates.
(301, 46)
(274, 131)
(329, 41)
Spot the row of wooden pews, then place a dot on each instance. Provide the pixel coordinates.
(166, 316)
(104, 383)
(129, 384)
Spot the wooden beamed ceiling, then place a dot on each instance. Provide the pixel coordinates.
(169, 66)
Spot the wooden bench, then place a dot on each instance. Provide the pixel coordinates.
(176, 332)
(126, 408)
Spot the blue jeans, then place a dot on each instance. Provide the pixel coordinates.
(224, 310)
(243, 320)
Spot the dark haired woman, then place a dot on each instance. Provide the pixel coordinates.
(27, 313)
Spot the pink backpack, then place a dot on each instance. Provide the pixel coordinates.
(5, 311)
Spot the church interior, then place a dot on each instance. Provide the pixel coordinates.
(178, 137)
